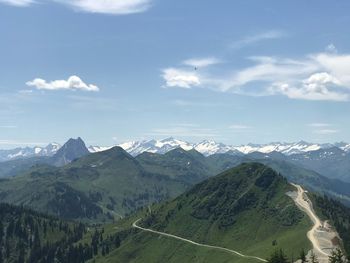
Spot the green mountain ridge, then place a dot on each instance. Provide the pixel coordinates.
(110, 184)
(245, 208)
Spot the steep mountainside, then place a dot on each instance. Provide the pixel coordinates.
(112, 183)
(95, 187)
(188, 166)
(28, 236)
(332, 162)
(245, 209)
(71, 150)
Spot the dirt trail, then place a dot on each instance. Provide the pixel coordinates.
(320, 234)
(195, 243)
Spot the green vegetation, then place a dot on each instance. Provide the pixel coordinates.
(245, 209)
(94, 188)
(28, 236)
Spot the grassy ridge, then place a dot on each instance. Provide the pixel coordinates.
(244, 209)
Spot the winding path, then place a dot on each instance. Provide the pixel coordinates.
(195, 243)
(305, 204)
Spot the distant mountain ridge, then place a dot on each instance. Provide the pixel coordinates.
(12, 154)
(206, 147)
(210, 147)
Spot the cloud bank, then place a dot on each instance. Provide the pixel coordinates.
(113, 7)
(318, 77)
(19, 3)
(73, 83)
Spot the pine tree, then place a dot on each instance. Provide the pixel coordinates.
(313, 258)
(303, 256)
(337, 256)
(278, 257)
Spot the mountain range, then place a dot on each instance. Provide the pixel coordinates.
(241, 215)
(76, 184)
(26, 152)
(245, 207)
(206, 147)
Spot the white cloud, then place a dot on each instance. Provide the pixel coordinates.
(249, 40)
(180, 78)
(8, 127)
(322, 76)
(201, 62)
(19, 3)
(73, 83)
(319, 125)
(184, 131)
(20, 143)
(326, 131)
(317, 87)
(115, 7)
(239, 127)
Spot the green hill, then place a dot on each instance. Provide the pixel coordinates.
(111, 184)
(28, 236)
(245, 209)
(94, 188)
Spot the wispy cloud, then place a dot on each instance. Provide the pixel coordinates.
(201, 62)
(319, 125)
(114, 7)
(184, 130)
(18, 3)
(252, 39)
(318, 77)
(8, 126)
(73, 83)
(325, 131)
(239, 127)
(21, 143)
(180, 78)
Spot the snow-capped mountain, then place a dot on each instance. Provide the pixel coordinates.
(155, 146)
(95, 149)
(211, 147)
(49, 150)
(207, 147)
(285, 148)
(343, 145)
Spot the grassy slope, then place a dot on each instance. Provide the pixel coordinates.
(110, 181)
(256, 225)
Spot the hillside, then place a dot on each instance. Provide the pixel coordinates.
(245, 209)
(110, 184)
(95, 187)
(28, 236)
(332, 162)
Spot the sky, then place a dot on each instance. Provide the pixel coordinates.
(117, 70)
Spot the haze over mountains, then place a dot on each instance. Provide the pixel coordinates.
(206, 147)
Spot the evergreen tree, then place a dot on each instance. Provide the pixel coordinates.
(337, 256)
(313, 258)
(303, 256)
(278, 257)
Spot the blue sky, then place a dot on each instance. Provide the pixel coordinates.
(233, 71)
